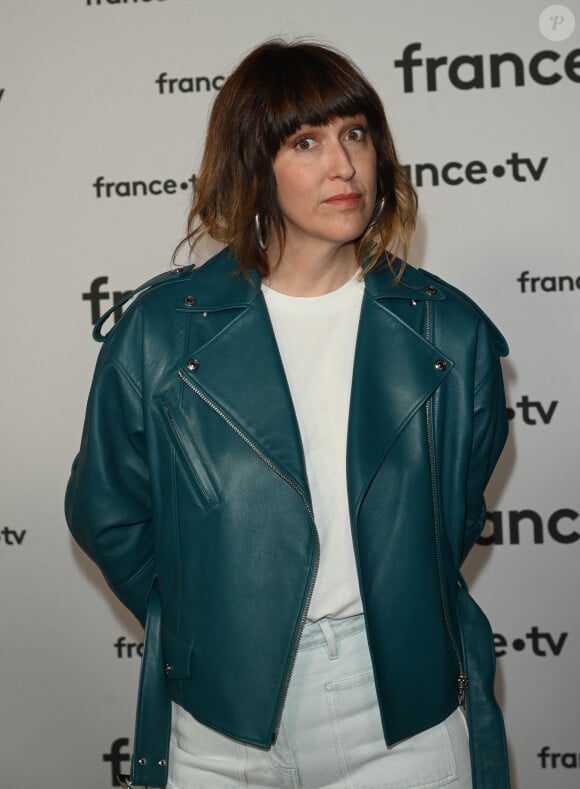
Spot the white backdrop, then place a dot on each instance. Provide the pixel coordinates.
(82, 98)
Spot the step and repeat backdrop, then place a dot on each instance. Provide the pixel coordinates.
(103, 107)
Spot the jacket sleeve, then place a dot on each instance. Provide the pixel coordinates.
(490, 428)
(108, 501)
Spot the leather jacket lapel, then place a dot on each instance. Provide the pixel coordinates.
(240, 374)
(395, 371)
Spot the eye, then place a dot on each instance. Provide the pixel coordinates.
(305, 143)
(356, 134)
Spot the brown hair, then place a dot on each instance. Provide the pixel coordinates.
(277, 88)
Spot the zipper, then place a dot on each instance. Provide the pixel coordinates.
(178, 435)
(299, 491)
(462, 680)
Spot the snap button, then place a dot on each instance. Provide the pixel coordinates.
(413, 302)
(440, 364)
(142, 761)
(162, 762)
(205, 314)
(192, 364)
(430, 290)
(189, 301)
(168, 669)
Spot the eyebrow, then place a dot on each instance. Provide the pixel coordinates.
(355, 120)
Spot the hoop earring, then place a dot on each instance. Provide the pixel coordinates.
(262, 239)
(377, 212)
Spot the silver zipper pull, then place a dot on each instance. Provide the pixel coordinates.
(462, 683)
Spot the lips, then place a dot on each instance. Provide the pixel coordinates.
(346, 199)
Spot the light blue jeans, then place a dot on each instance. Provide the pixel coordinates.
(330, 736)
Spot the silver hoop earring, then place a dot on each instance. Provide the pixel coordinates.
(262, 238)
(377, 212)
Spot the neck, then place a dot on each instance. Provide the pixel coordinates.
(311, 272)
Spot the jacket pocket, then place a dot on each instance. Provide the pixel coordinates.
(185, 444)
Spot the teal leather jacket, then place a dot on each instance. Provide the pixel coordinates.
(190, 493)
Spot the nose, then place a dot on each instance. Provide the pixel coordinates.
(341, 165)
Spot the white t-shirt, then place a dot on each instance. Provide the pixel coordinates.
(316, 336)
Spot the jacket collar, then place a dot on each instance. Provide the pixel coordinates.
(240, 371)
(219, 286)
(413, 284)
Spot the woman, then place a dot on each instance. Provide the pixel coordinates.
(284, 459)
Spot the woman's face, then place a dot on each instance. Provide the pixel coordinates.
(326, 178)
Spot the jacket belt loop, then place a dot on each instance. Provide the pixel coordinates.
(153, 723)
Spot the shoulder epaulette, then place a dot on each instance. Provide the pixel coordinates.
(151, 284)
(499, 340)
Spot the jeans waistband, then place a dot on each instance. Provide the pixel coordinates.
(326, 632)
